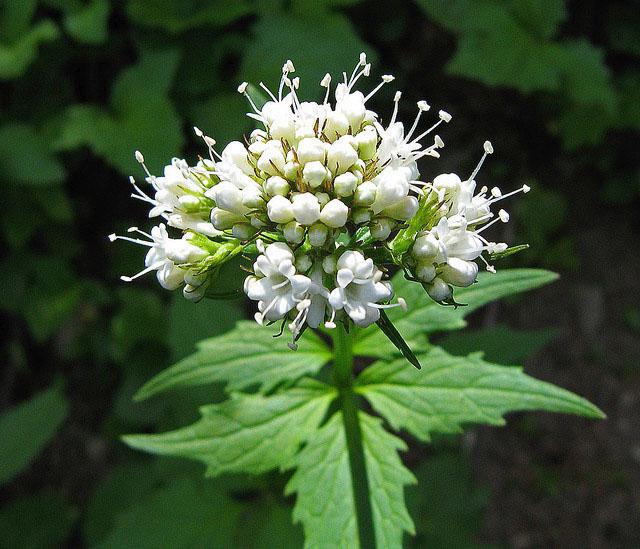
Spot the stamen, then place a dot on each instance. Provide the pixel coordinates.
(140, 160)
(422, 107)
(355, 70)
(326, 83)
(242, 88)
(136, 230)
(524, 189)
(502, 216)
(268, 91)
(489, 268)
(113, 237)
(488, 149)
(386, 78)
(396, 102)
(141, 273)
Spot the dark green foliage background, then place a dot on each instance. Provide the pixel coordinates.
(556, 87)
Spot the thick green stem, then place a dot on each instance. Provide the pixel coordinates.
(343, 375)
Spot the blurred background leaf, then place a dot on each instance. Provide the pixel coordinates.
(26, 429)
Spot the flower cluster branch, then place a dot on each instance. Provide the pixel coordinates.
(326, 199)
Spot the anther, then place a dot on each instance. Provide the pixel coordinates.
(444, 116)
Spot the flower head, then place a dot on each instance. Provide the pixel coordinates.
(329, 199)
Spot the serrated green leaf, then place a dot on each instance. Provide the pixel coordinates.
(450, 391)
(387, 478)
(247, 355)
(26, 429)
(427, 316)
(325, 503)
(247, 433)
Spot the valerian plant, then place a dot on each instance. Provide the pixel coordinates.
(326, 203)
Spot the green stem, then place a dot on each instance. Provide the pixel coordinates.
(343, 375)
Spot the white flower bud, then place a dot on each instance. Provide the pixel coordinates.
(360, 216)
(243, 231)
(337, 125)
(365, 194)
(381, 228)
(425, 272)
(439, 290)
(276, 185)
(303, 263)
(459, 272)
(195, 286)
(425, 247)
(306, 208)
(367, 141)
(279, 209)
(341, 155)
(352, 106)
(447, 183)
(304, 131)
(272, 160)
(291, 170)
(318, 234)
(310, 149)
(258, 135)
(358, 174)
(345, 184)
(189, 202)
(334, 214)
(314, 174)
(252, 197)
(223, 220)
(180, 250)
(227, 196)
(403, 209)
(290, 156)
(236, 154)
(283, 128)
(257, 223)
(329, 264)
(293, 232)
(393, 186)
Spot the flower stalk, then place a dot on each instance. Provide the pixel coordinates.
(343, 377)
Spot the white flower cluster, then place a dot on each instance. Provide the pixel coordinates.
(329, 199)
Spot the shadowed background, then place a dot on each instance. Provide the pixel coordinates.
(554, 85)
